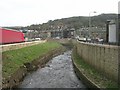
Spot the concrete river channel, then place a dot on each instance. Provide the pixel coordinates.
(57, 73)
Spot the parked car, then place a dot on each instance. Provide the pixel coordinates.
(37, 38)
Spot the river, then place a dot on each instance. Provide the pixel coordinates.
(57, 73)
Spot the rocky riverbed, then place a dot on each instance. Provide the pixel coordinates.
(58, 73)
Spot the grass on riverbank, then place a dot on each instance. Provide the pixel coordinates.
(92, 74)
(13, 59)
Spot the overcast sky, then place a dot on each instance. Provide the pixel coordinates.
(27, 12)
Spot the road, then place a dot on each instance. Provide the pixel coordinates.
(58, 73)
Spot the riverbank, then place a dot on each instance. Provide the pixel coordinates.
(91, 77)
(16, 63)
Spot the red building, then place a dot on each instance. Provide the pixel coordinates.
(10, 36)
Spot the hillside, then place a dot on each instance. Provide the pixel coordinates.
(73, 22)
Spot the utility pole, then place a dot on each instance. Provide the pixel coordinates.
(118, 38)
(89, 29)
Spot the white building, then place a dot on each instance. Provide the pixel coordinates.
(112, 33)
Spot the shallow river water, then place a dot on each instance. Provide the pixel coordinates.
(58, 73)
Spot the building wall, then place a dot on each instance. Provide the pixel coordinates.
(112, 33)
(103, 58)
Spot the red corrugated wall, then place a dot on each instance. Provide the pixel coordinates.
(11, 36)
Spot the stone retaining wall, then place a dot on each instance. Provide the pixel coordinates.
(103, 58)
(80, 74)
(19, 45)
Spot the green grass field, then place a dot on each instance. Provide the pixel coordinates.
(13, 59)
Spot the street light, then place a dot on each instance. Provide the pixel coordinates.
(90, 23)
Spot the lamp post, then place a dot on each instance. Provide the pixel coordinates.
(90, 22)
